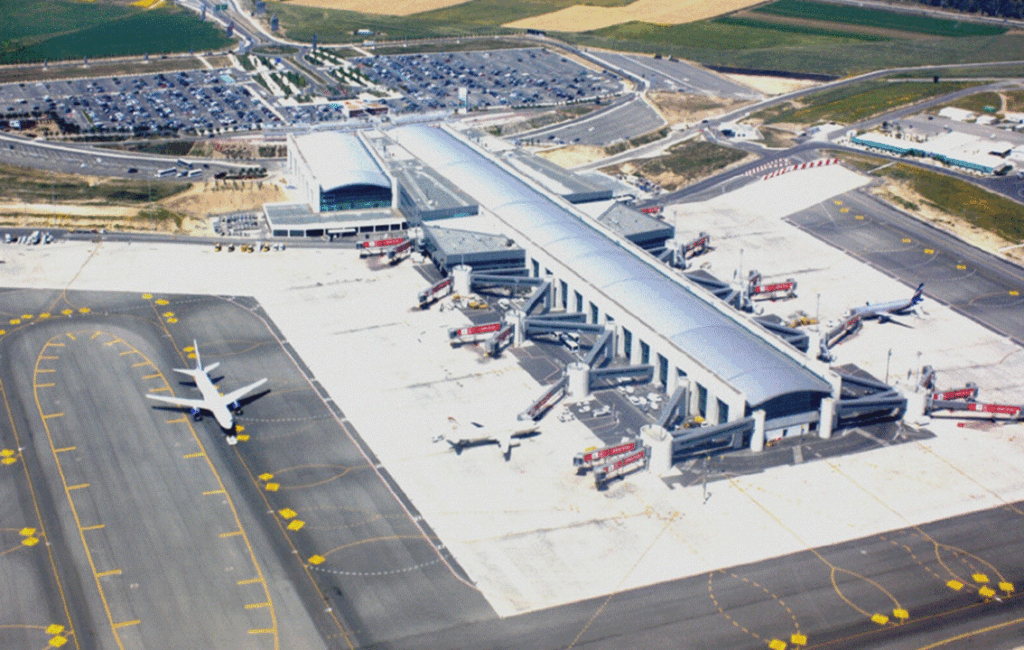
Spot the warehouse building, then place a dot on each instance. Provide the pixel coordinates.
(731, 367)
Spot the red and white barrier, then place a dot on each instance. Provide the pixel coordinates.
(821, 162)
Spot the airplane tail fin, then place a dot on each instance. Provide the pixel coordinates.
(918, 297)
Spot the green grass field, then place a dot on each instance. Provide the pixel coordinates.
(849, 15)
(37, 186)
(37, 30)
(854, 103)
(799, 29)
(689, 161)
(980, 103)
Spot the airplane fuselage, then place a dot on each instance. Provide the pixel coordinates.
(212, 396)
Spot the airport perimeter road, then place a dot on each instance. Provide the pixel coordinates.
(162, 535)
(978, 285)
(622, 121)
(675, 75)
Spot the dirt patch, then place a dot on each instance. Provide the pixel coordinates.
(573, 155)
(688, 108)
(214, 197)
(903, 197)
(771, 85)
(404, 8)
(581, 18)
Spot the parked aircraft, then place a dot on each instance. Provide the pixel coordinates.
(484, 434)
(222, 407)
(885, 311)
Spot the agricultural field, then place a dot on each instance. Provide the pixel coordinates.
(887, 20)
(54, 30)
(854, 103)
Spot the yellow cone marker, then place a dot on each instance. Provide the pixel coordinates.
(317, 559)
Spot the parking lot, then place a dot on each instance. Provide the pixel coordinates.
(162, 103)
(498, 78)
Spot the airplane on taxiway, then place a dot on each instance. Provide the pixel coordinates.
(222, 407)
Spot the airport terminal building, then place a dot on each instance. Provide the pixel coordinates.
(731, 367)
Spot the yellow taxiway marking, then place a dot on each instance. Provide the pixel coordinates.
(153, 376)
(94, 336)
(209, 492)
(141, 364)
(126, 352)
(929, 251)
(127, 623)
(231, 534)
(112, 572)
(157, 390)
(53, 415)
(257, 605)
(95, 527)
(250, 581)
(317, 559)
(262, 631)
(177, 421)
(49, 357)
(113, 342)
(70, 336)
(77, 487)
(55, 629)
(46, 370)
(50, 385)
(197, 454)
(63, 449)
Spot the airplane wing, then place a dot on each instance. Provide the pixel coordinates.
(180, 401)
(238, 394)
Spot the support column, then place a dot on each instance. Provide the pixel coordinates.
(461, 283)
(660, 443)
(826, 418)
(757, 439)
(519, 331)
(579, 380)
(915, 415)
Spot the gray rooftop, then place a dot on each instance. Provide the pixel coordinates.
(340, 159)
(710, 336)
(284, 215)
(630, 222)
(428, 189)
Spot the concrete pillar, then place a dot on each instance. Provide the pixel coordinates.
(826, 418)
(519, 331)
(915, 414)
(579, 380)
(660, 442)
(461, 279)
(757, 439)
(711, 412)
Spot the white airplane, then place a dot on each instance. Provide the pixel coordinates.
(885, 311)
(488, 435)
(221, 406)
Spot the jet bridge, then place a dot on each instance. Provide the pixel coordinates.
(710, 439)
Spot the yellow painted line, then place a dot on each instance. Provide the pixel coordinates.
(45, 385)
(126, 624)
(158, 390)
(197, 454)
(153, 376)
(77, 487)
(53, 415)
(231, 534)
(109, 343)
(63, 449)
(262, 631)
(128, 352)
(96, 527)
(93, 337)
(49, 356)
(112, 572)
(250, 581)
(46, 370)
(209, 492)
(178, 421)
(257, 605)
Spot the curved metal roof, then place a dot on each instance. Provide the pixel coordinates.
(339, 160)
(712, 337)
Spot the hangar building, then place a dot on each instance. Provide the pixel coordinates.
(730, 366)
